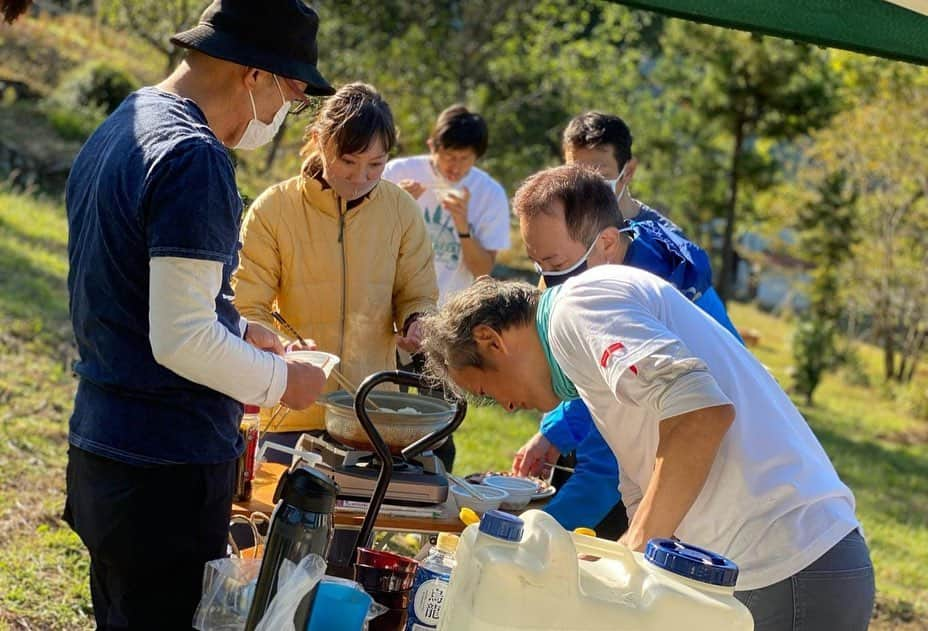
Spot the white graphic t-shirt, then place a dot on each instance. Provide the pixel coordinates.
(488, 215)
(639, 352)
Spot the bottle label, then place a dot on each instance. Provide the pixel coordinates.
(429, 595)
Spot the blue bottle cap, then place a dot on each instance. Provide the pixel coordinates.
(502, 525)
(692, 562)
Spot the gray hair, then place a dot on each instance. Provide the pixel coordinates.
(448, 336)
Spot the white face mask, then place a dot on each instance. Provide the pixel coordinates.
(259, 133)
(612, 183)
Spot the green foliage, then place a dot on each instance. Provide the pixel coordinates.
(85, 97)
(813, 353)
(73, 123)
(152, 22)
(96, 84)
(527, 67)
(916, 396)
(728, 99)
(879, 147)
(852, 367)
(827, 234)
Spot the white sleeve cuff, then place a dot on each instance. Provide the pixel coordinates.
(187, 338)
(275, 391)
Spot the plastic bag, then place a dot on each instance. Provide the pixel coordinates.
(292, 586)
(228, 589)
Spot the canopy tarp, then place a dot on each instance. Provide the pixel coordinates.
(897, 29)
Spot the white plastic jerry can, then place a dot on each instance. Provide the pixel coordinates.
(525, 573)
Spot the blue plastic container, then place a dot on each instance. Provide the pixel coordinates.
(339, 606)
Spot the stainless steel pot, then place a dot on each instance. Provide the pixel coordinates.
(399, 430)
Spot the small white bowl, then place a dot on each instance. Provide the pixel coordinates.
(521, 490)
(492, 498)
(326, 361)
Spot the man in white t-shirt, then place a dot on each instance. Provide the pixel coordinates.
(466, 211)
(712, 450)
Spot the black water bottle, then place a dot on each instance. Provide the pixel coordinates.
(302, 524)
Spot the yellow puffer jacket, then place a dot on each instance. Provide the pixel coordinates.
(342, 277)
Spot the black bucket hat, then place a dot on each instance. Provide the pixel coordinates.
(278, 36)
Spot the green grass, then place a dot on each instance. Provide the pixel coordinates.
(39, 51)
(489, 438)
(880, 451)
(877, 447)
(43, 566)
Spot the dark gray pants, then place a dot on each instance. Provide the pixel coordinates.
(835, 592)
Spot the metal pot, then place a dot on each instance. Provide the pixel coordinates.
(397, 429)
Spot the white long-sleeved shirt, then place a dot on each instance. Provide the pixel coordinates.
(187, 338)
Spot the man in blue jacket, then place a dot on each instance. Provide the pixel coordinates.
(602, 142)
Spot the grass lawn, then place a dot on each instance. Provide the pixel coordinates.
(879, 450)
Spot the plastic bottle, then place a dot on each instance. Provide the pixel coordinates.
(302, 524)
(431, 582)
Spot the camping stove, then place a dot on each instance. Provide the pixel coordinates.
(420, 480)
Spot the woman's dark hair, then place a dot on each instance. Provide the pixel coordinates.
(459, 128)
(12, 9)
(350, 119)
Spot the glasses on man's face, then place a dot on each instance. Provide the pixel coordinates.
(300, 106)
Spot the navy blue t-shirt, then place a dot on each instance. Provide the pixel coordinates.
(152, 181)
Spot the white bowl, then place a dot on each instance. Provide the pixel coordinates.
(492, 498)
(521, 490)
(325, 361)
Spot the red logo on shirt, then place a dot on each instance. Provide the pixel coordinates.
(614, 349)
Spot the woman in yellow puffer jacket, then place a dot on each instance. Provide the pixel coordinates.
(343, 255)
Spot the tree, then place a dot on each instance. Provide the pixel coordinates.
(828, 231)
(153, 22)
(742, 94)
(527, 67)
(880, 145)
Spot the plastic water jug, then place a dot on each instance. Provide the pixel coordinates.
(524, 573)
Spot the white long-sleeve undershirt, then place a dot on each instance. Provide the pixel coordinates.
(187, 338)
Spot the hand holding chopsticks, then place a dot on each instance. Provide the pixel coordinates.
(339, 377)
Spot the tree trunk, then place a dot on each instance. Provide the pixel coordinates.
(889, 355)
(916, 351)
(275, 145)
(728, 244)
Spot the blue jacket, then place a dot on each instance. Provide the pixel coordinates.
(590, 493)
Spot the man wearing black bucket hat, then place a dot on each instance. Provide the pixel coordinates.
(165, 361)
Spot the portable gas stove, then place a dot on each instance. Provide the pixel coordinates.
(419, 480)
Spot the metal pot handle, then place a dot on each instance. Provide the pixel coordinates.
(400, 378)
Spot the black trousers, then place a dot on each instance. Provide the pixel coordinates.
(149, 531)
